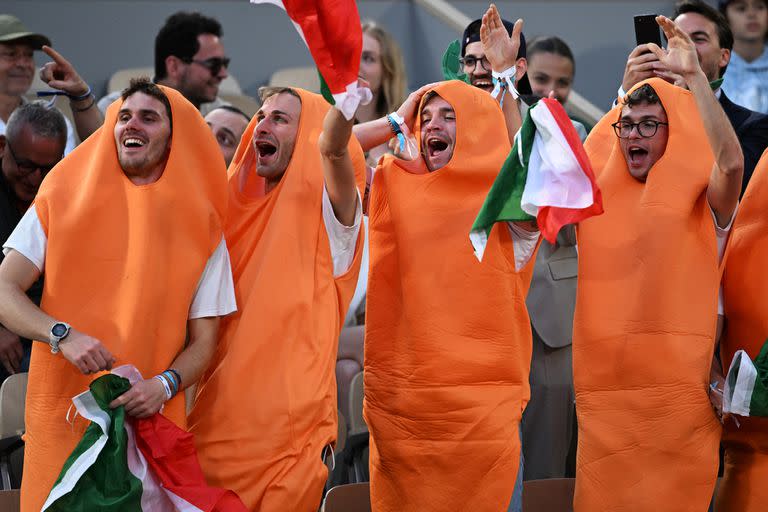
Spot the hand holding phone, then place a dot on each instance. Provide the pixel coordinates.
(647, 30)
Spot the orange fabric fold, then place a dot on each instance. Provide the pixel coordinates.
(745, 283)
(644, 328)
(122, 264)
(448, 339)
(266, 407)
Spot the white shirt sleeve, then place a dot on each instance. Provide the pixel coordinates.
(70, 137)
(29, 239)
(721, 235)
(343, 239)
(524, 243)
(215, 294)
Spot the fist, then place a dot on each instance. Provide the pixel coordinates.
(86, 353)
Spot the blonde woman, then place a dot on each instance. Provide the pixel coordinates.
(382, 65)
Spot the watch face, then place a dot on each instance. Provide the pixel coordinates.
(59, 330)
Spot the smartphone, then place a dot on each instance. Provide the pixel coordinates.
(647, 30)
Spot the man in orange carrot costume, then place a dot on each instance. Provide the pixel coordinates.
(448, 339)
(265, 413)
(128, 230)
(646, 312)
(745, 280)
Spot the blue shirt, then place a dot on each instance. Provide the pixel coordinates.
(746, 83)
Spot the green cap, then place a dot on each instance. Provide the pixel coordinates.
(12, 29)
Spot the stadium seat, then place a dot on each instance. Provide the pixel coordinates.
(304, 77)
(120, 80)
(357, 438)
(245, 103)
(551, 495)
(13, 393)
(349, 362)
(348, 498)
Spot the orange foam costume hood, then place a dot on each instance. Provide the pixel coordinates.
(644, 328)
(448, 339)
(122, 264)
(266, 407)
(745, 282)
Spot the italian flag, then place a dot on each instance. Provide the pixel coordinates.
(547, 177)
(332, 32)
(746, 385)
(124, 464)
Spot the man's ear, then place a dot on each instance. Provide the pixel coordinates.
(725, 57)
(173, 67)
(521, 68)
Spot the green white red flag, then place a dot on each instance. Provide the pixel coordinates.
(547, 177)
(124, 464)
(746, 385)
(331, 30)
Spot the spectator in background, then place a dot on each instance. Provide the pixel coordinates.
(714, 40)
(189, 57)
(228, 124)
(383, 67)
(33, 143)
(746, 80)
(551, 68)
(17, 69)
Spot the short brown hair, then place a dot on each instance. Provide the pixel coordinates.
(643, 94)
(146, 86)
(269, 91)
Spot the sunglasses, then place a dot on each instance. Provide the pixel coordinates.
(214, 64)
(28, 167)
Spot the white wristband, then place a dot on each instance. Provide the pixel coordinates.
(505, 79)
(167, 387)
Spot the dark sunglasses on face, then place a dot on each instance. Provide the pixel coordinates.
(28, 167)
(214, 64)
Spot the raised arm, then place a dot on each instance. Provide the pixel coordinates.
(21, 316)
(377, 132)
(61, 75)
(501, 51)
(337, 166)
(727, 173)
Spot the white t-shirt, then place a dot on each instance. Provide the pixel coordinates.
(215, 294)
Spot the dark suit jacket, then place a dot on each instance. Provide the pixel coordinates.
(752, 130)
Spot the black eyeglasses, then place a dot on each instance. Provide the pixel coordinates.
(470, 62)
(214, 64)
(645, 129)
(28, 167)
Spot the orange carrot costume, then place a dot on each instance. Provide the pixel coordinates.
(644, 329)
(448, 340)
(745, 281)
(122, 264)
(266, 407)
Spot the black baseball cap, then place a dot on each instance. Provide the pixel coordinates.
(472, 34)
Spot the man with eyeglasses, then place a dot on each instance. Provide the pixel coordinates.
(670, 168)
(189, 57)
(33, 143)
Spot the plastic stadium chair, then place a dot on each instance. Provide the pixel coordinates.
(305, 78)
(356, 453)
(551, 495)
(13, 393)
(348, 498)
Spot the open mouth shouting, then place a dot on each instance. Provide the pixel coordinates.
(438, 150)
(637, 156)
(266, 151)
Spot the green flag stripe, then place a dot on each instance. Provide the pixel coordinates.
(106, 483)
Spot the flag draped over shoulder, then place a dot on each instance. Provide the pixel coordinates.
(547, 176)
(331, 30)
(127, 464)
(746, 385)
